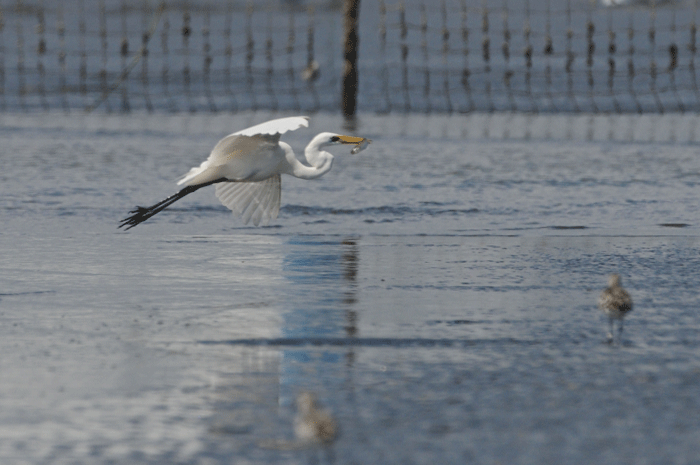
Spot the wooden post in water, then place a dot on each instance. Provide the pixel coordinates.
(351, 10)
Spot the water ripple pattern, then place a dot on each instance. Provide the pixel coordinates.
(436, 294)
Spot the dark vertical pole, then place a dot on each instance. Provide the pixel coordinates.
(351, 10)
(104, 87)
(61, 31)
(145, 37)
(186, 33)
(3, 52)
(41, 51)
(124, 52)
(20, 57)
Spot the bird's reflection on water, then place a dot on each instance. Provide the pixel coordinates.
(331, 276)
(286, 377)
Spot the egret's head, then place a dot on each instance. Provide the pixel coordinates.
(358, 143)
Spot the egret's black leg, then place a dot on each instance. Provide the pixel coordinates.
(141, 214)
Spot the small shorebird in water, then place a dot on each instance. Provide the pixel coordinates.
(615, 302)
(312, 423)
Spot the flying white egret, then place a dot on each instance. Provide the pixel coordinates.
(615, 302)
(246, 168)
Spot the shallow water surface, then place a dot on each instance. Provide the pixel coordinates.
(437, 294)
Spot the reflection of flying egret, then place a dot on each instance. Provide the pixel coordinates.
(615, 302)
(246, 168)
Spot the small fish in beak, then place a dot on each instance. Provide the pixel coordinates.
(360, 143)
(361, 146)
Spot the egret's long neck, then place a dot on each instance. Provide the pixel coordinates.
(320, 161)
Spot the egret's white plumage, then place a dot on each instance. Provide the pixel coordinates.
(246, 166)
(275, 126)
(256, 201)
(243, 154)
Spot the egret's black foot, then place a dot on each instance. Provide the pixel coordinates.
(140, 215)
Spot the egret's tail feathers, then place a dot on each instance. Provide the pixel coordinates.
(258, 202)
(190, 177)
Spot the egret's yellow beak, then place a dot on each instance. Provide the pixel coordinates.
(350, 139)
(360, 143)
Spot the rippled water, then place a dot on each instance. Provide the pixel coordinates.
(438, 294)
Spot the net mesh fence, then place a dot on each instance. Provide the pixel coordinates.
(431, 56)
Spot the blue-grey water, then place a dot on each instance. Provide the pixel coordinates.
(436, 291)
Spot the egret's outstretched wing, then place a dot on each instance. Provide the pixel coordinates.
(244, 153)
(234, 157)
(256, 201)
(275, 126)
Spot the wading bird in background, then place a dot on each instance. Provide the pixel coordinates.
(311, 72)
(246, 166)
(615, 302)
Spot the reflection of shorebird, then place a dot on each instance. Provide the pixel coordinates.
(615, 302)
(313, 426)
(312, 423)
